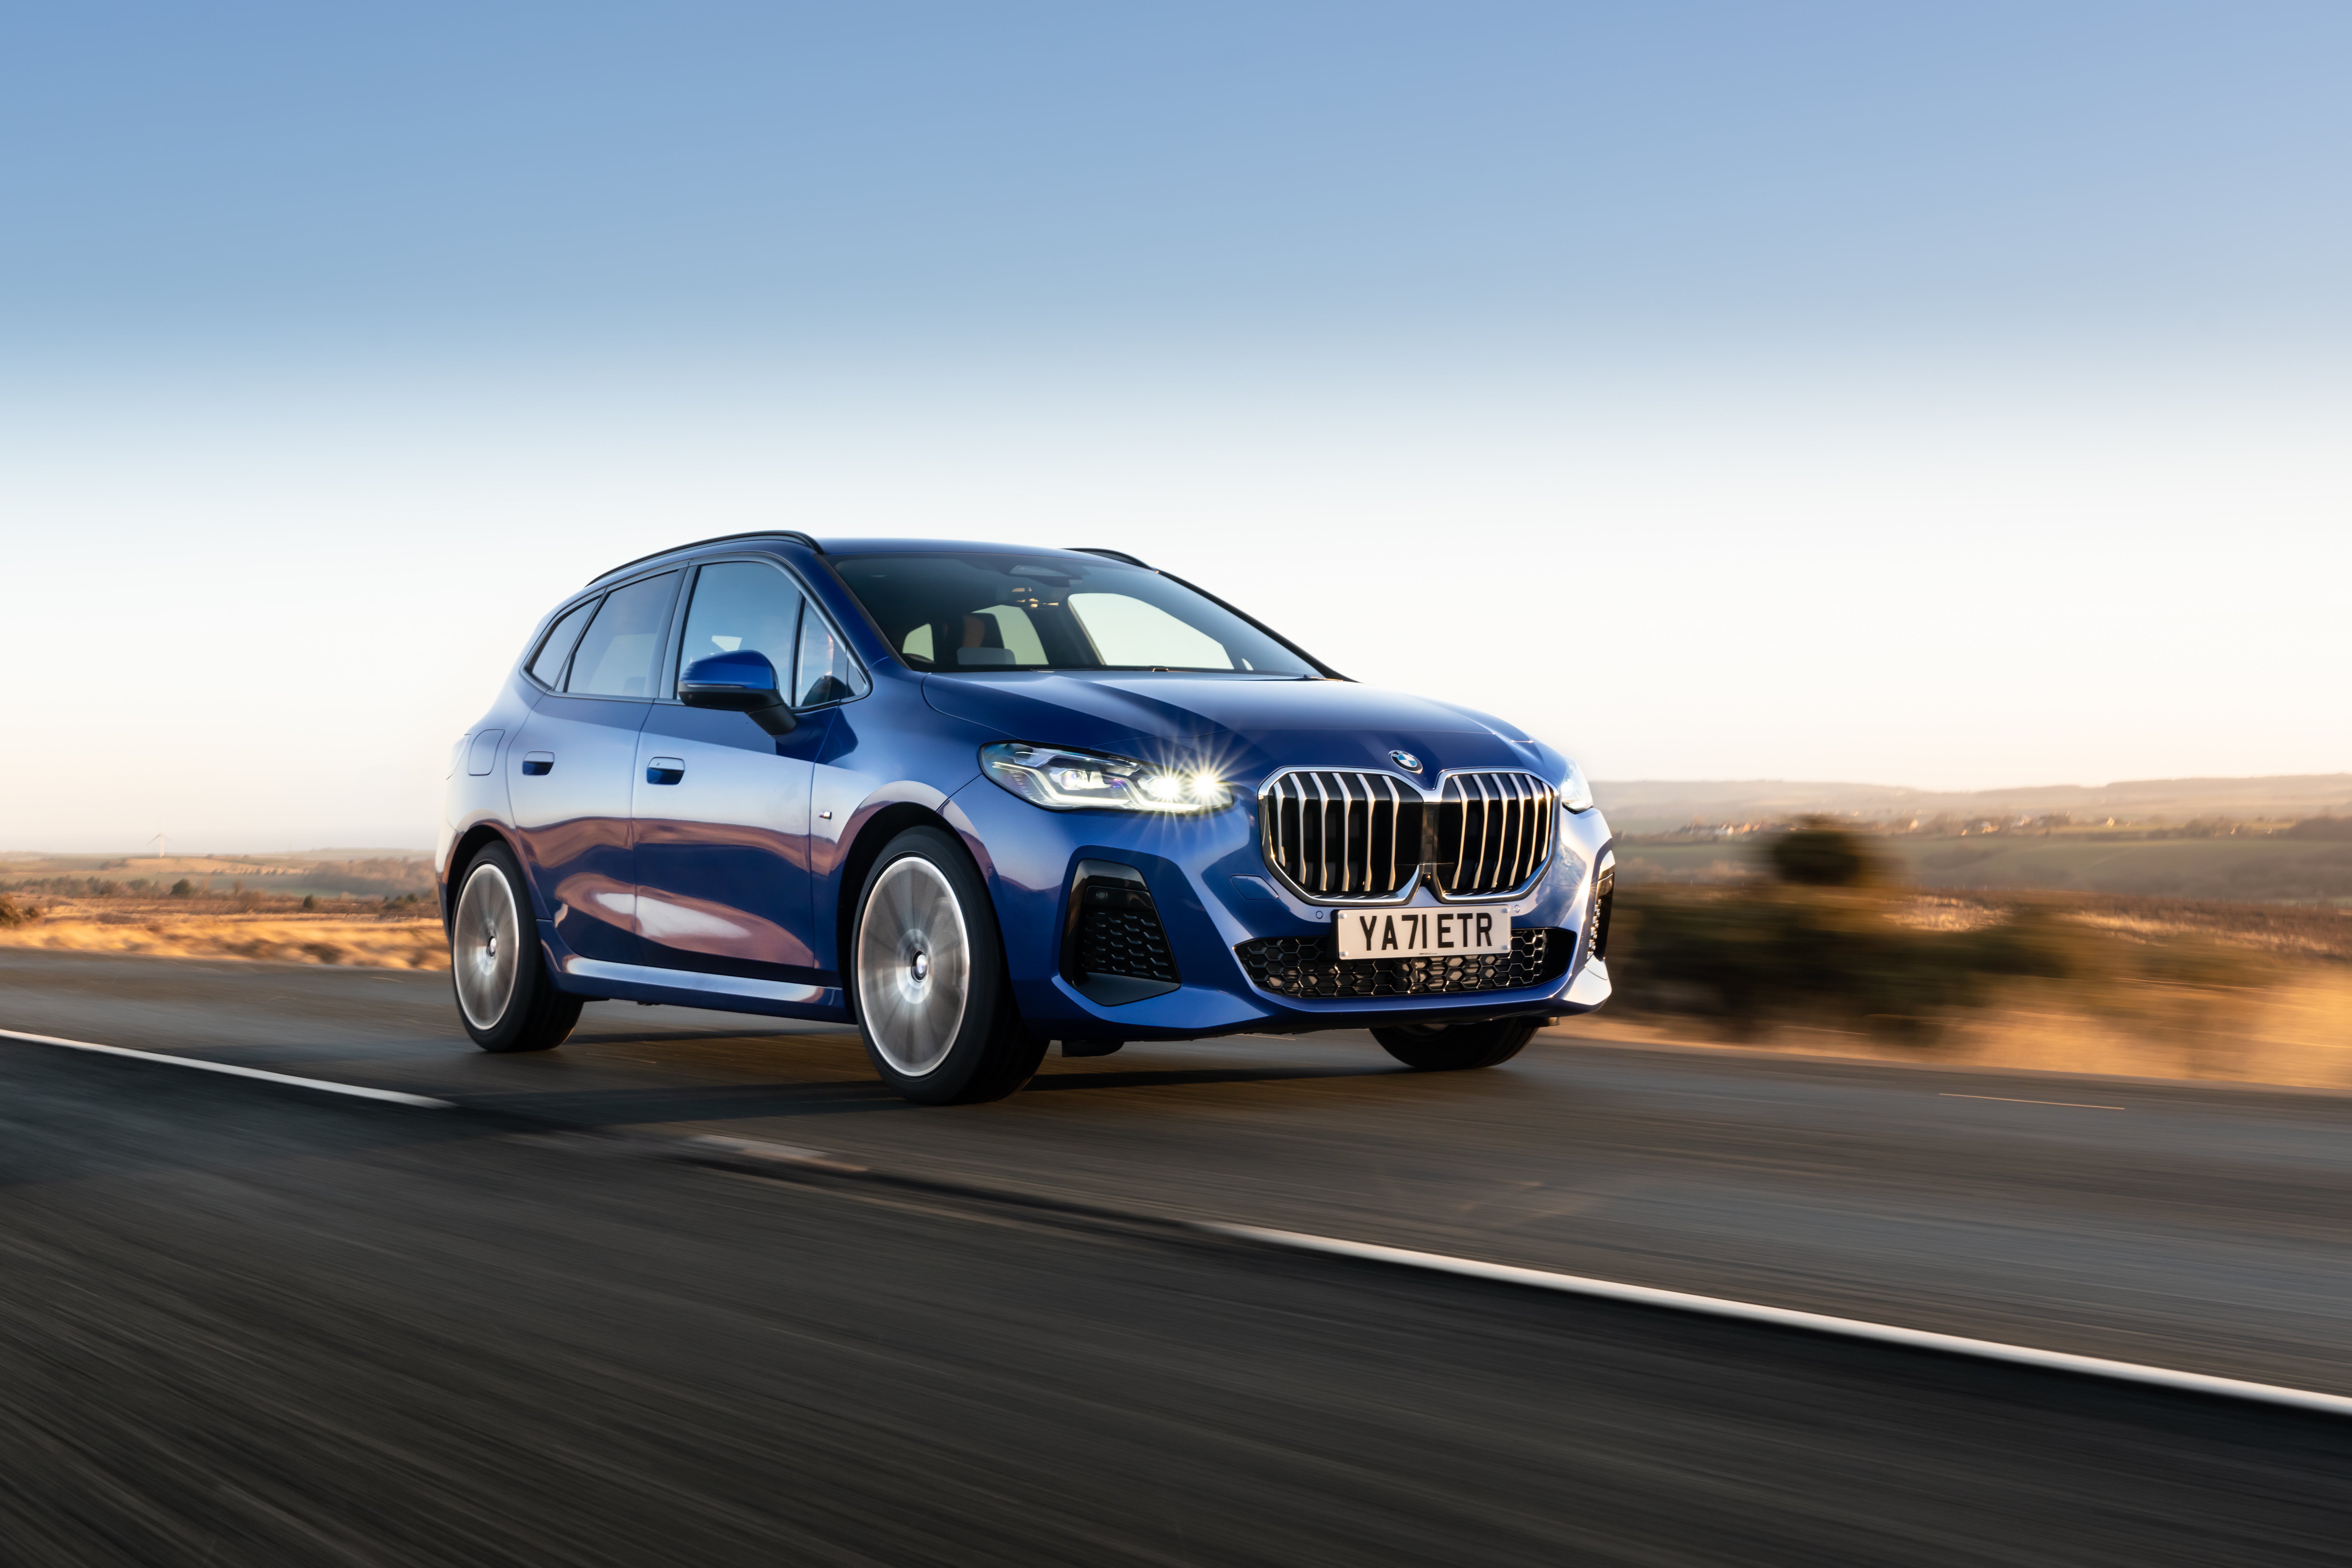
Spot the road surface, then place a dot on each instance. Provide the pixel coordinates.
(246, 1323)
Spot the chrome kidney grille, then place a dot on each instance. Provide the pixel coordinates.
(1344, 836)
(1492, 833)
(1341, 835)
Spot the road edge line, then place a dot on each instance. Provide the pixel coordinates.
(357, 1091)
(1785, 1317)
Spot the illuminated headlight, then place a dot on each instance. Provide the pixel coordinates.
(1574, 792)
(1061, 779)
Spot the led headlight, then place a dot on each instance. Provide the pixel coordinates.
(1062, 779)
(1574, 792)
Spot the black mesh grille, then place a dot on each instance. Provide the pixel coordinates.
(1125, 942)
(1308, 966)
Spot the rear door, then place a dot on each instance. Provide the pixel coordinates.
(571, 766)
(722, 806)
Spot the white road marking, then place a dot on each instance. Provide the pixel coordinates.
(2013, 1100)
(1783, 1317)
(781, 1153)
(356, 1090)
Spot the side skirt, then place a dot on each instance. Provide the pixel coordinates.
(691, 988)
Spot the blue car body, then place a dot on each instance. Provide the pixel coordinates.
(682, 855)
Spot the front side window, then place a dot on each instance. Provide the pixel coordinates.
(827, 672)
(618, 656)
(973, 612)
(741, 605)
(547, 667)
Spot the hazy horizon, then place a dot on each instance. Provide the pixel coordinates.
(2326, 794)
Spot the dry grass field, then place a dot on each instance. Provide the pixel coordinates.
(382, 936)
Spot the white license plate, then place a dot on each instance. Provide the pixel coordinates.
(1420, 933)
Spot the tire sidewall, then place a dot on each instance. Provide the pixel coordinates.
(967, 1057)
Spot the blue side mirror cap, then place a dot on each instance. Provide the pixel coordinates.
(741, 682)
(747, 670)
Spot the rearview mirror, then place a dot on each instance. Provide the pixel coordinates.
(743, 681)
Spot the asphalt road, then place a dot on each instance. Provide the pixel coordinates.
(244, 1324)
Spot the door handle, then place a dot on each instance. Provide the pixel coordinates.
(664, 769)
(536, 764)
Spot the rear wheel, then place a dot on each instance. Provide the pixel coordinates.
(1451, 1047)
(928, 984)
(504, 993)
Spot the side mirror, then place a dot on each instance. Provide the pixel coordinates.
(743, 681)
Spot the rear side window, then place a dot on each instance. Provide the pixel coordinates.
(547, 668)
(620, 654)
(742, 606)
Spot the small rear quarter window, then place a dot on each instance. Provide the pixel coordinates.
(547, 664)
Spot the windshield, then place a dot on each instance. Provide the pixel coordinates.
(986, 611)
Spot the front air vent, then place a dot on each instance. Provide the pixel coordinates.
(1605, 895)
(1113, 948)
(1346, 836)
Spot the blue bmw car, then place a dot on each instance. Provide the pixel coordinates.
(974, 799)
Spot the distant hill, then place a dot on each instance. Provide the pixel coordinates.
(1649, 806)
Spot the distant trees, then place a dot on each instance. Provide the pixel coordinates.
(183, 888)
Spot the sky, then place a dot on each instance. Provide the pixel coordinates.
(1954, 396)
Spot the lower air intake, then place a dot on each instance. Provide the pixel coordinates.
(1125, 942)
(1308, 968)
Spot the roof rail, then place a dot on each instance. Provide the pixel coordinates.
(793, 534)
(1112, 555)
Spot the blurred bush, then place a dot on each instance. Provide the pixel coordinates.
(15, 914)
(1817, 852)
(1832, 941)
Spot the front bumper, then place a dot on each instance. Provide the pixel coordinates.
(1209, 884)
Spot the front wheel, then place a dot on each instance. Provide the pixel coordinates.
(934, 1004)
(1452, 1047)
(504, 995)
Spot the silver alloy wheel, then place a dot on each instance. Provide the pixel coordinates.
(914, 966)
(485, 947)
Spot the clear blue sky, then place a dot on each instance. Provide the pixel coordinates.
(1944, 395)
(348, 175)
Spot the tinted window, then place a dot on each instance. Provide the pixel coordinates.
(980, 612)
(742, 605)
(618, 656)
(827, 672)
(548, 668)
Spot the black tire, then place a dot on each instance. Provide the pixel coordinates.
(926, 979)
(1454, 1047)
(498, 969)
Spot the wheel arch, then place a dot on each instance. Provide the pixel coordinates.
(461, 857)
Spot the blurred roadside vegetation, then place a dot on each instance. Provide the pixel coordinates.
(2303, 861)
(1828, 939)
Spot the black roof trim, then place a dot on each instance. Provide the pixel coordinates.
(793, 534)
(1111, 554)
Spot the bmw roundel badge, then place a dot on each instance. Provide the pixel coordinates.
(1406, 760)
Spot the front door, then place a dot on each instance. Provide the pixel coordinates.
(722, 806)
(570, 770)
